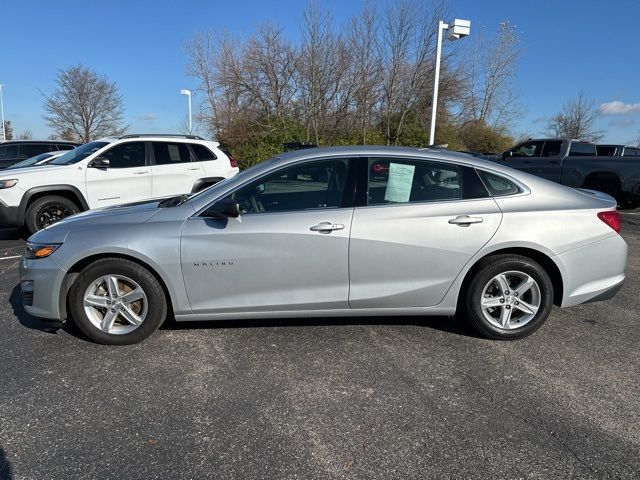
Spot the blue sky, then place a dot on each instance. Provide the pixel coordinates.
(568, 45)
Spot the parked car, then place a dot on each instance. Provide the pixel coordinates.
(109, 172)
(41, 159)
(440, 234)
(576, 164)
(617, 151)
(14, 151)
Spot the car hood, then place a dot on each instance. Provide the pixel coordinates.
(32, 170)
(122, 215)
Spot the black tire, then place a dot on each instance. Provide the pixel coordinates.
(156, 302)
(488, 269)
(48, 210)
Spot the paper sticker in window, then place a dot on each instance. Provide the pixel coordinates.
(399, 182)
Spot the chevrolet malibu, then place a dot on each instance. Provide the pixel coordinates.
(351, 231)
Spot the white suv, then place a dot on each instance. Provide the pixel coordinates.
(108, 172)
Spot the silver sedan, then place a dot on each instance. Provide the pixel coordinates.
(334, 232)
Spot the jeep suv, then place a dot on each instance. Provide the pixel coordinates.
(14, 151)
(108, 172)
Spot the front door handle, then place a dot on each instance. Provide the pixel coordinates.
(141, 172)
(326, 227)
(465, 220)
(193, 168)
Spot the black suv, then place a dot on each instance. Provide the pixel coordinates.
(14, 151)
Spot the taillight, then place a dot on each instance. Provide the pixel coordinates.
(611, 218)
(233, 161)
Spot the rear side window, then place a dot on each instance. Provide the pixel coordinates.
(580, 149)
(551, 148)
(32, 149)
(202, 153)
(497, 185)
(171, 153)
(411, 181)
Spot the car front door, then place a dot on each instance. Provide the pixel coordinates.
(423, 222)
(173, 171)
(287, 251)
(126, 179)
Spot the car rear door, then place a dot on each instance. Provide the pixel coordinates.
(127, 178)
(173, 170)
(287, 251)
(421, 223)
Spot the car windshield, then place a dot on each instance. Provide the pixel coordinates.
(31, 161)
(78, 154)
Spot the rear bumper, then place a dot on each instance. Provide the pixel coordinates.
(593, 272)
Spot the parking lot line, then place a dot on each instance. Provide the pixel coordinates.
(10, 258)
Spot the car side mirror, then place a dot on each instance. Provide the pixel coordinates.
(100, 162)
(225, 208)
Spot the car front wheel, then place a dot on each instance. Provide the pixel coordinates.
(509, 297)
(116, 301)
(46, 211)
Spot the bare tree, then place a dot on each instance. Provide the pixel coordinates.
(577, 119)
(26, 135)
(489, 95)
(84, 102)
(8, 130)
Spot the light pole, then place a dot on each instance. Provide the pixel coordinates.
(455, 30)
(4, 130)
(186, 92)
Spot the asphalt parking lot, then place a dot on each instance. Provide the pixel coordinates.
(330, 399)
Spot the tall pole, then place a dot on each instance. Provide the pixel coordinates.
(4, 130)
(436, 80)
(186, 92)
(190, 125)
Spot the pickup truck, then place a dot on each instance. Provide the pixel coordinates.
(577, 164)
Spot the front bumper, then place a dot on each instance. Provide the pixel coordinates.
(8, 215)
(41, 281)
(593, 272)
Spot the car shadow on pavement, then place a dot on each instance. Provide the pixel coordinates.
(33, 323)
(11, 234)
(5, 467)
(445, 324)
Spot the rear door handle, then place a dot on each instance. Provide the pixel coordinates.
(326, 227)
(465, 220)
(193, 168)
(141, 172)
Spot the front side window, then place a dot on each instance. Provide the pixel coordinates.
(309, 186)
(407, 181)
(551, 148)
(528, 149)
(9, 151)
(126, 155)
(170, 153)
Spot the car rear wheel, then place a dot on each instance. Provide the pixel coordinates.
(509, 297)
(46, 211)
(117, 302)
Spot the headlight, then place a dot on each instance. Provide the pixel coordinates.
(8, 183)
(40, 250)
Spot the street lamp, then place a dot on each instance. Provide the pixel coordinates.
(4, 130)
(455, 30)
(188, 94)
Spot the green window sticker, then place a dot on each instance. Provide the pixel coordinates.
(399, 183)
